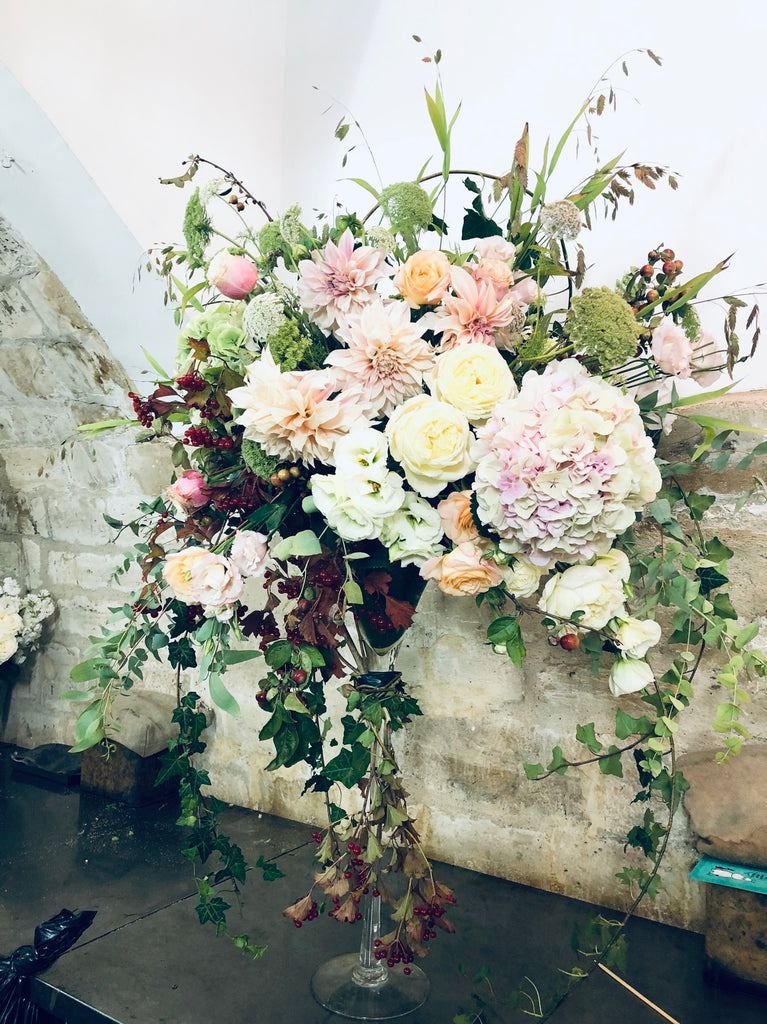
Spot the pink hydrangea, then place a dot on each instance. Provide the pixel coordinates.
(563, 467)
(340, 282)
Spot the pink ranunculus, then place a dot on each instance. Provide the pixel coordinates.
(671, 349)
(249, 552)
(234, 276)
(495, 248)
(708, 359)
(496, 273)
(525, 291)
(189, 492)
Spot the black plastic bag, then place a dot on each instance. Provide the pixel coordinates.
(52, 938)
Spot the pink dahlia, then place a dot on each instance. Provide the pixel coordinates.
(473, 314)
(386, 358)
(340, 282)
(291, 415)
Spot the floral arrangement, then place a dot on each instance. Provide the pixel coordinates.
(21, 620)
(363, 405)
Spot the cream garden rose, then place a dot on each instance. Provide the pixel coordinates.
(636, 636)
(590, 589)
(430, 440)
(424, 278)
(178, 572)
(473, 378)
(522, 578)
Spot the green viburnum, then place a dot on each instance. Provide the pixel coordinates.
(290, 348)
(270, 238)
(407, 206)
(197, 229)
(603, 324)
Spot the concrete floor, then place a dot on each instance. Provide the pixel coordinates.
(146, 959)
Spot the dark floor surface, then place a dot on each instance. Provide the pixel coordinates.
(146, 959)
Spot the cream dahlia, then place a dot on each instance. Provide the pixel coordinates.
(291, 415)
(386, 358)
(473, 314)
(340, 281)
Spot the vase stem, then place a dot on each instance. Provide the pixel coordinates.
(370, 972)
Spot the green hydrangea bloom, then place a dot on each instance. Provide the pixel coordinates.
(603, 325)
(407, 206)
(221, 326)
(196, 230)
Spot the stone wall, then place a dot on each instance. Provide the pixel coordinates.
(482, 717)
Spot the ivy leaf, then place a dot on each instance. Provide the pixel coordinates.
(699, 504)
(558, 763)
(723, 608)
(270, 870)
(585, 734)
(611, 765)
(534, 771)
(181, 653)
(626, 725)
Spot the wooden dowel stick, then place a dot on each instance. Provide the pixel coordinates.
(639, 995)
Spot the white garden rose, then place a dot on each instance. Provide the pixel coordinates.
(636, 636)
(591, 589)
(473, 378)
(8, 647)
(413, 533)
(628, 675)
(522, 578)
(430, 440)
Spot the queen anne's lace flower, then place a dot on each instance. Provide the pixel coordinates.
(292, 415)
(290, 224)
(263, 316)
(563, 467)
(340, 282)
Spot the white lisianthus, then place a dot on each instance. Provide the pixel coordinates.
(356, 506)
(362, 452)
(522, 578)
(249, 552)
(413, 533)
(628, 675)
(636, 636)
(590, 589)
(616, 562)
(473, 378)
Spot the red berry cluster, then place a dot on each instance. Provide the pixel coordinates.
(191, 382)
(201, 437)
(395, 953)
(670, 266)
(291, 588)
(313, 912)
(328, 576)
(142, 409)
(210, 410)
(378, 622)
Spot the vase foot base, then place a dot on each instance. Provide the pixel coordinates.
(334, 988)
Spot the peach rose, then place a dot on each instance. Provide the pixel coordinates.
(178, 572)
(463, 572)
(424, 278)
(457, 521)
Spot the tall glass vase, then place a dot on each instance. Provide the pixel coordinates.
(358, 985)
